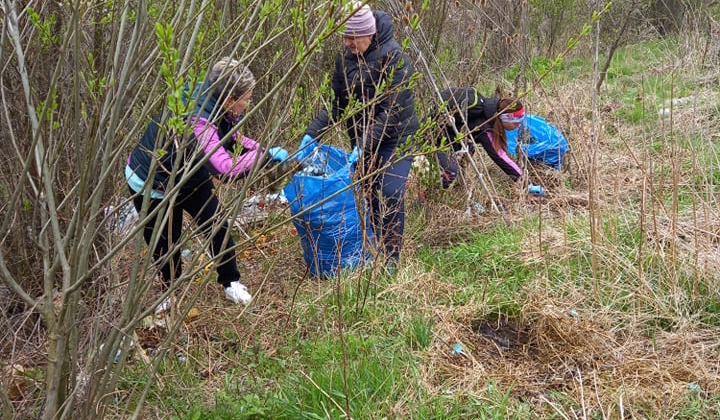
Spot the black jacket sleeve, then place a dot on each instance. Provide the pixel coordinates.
(393, 103)
(318, 125)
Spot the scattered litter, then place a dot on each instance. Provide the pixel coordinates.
(181, 352)
(474, 208)
(694, 388)
(672, 104)
(116, 359)
(573, 313)
(192, 313)
(457, 349)
(118, 353)
(251, 214)
(536, 190)
(257, 208)
(277, 197)
(261, 200)
(121, 220)
(16, 385)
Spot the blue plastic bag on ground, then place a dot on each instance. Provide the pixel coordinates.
(546, 143)
(325, 214)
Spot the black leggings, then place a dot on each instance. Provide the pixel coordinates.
(202, 204)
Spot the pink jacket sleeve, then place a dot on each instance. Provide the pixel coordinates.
(221, 160)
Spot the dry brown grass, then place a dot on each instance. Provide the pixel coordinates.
(583, 353)
(604, 359)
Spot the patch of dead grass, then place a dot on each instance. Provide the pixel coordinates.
(594, 355)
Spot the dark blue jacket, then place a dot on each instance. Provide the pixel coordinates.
(387, 116)
(170, 151)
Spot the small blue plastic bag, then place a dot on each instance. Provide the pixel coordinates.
(326, 217)
(546, 143)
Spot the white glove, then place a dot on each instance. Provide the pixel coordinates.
(237, 293)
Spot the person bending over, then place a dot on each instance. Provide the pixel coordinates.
(482, 120)
(163, 162)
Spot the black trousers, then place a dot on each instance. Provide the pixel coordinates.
(201, 203)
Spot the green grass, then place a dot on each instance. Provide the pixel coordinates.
(419, 334)
(642, 77)
(244, 407)
(698, 407)
(328, 375)
(372, 366)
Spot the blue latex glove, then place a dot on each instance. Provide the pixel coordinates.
(278, 154)
(354, 155)
(307, 145)
(536, 190)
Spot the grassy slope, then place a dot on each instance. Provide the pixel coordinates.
(527, 314)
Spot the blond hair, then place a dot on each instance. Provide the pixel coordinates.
(229, 77)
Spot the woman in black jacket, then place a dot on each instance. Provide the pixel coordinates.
(372, 94)
(485, 120)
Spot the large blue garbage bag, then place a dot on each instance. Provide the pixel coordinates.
(546, 143)
(326, 217)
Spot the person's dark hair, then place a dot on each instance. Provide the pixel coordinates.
(506, 105)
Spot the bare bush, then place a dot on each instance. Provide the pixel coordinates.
(80, 81)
